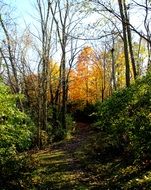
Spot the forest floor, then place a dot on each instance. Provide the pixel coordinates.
(74, 164)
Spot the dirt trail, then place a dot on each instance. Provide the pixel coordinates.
(76, 164)
(82, 130)
(60, 166)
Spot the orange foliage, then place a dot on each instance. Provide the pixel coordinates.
(89, 81)
(84, 80)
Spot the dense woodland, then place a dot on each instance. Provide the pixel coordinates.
(75, 95)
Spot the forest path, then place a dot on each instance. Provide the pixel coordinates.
(82, 164)
(60, 166)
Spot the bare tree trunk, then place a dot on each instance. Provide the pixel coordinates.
(123, 19)
(11, 56)
(148, 32)
(113, 64)
(62, 34)
(10, 62)
(104, 76)
(46, 25)
(63, 109)
(129, 38)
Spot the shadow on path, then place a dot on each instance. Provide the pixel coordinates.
(80, 164)
(60, 167)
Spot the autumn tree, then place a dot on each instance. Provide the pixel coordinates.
(86, 78)
(55, 48)
(119, 15)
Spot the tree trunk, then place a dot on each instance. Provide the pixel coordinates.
(113, 69)
(129, 37)
(127, 67)
(63, 109)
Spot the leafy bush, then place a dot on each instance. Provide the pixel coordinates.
(127, 116)
(58, 133)
(70, 126)
(16, 131)
(15, 126)
(16, 171)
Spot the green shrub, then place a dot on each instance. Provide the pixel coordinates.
(70, 126)
(16, 131)
(127, 116)
(16, 171)
(58, 133)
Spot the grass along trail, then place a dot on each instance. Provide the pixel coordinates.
(87, 162)
(59, 166)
